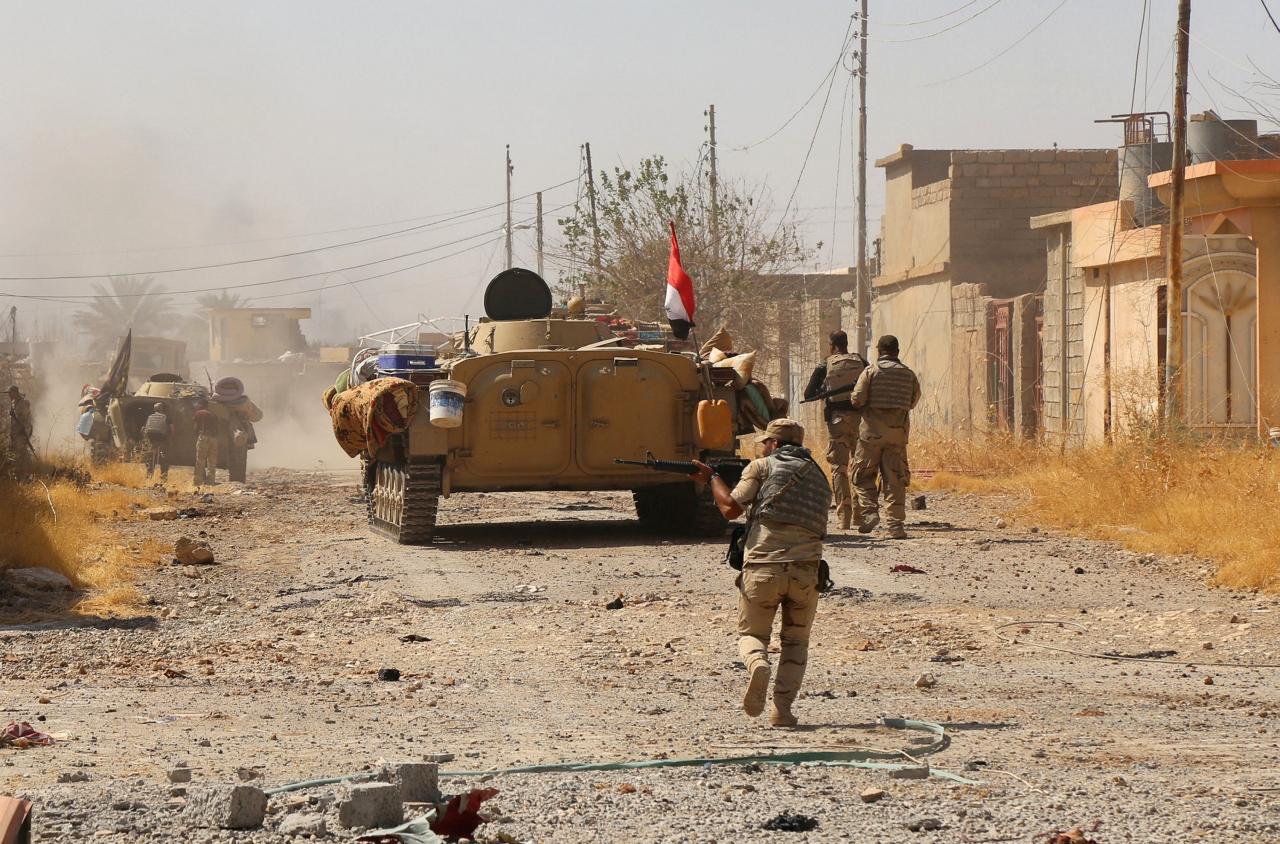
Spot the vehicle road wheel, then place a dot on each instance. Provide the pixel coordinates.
(238, 464)
(404, 501)
(678, 509)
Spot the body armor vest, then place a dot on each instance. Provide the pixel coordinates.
(795, 492)
(157, 425)
(893, 385)
(842, 372)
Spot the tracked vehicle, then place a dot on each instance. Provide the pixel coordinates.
(127, 414)
(550, 404)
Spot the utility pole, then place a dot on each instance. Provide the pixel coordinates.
(538, 213)
(863, 292)
(595, 224)
(1173, 381)
(510, 169)
(715, 196)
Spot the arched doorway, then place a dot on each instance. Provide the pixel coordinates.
(1221, 308)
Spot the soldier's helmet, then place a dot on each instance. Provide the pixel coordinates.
(159, 407)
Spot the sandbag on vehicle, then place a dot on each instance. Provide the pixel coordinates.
(364, 416)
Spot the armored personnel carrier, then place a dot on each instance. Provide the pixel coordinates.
(552, 404)
(128, 414)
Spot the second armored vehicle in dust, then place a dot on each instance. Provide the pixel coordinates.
(551, 404)
(129, 413)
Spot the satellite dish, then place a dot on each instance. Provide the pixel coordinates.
(517, 293)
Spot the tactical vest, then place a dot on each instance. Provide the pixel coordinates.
(795, 492)
(842, 372)
(893, 385)
(157, 425)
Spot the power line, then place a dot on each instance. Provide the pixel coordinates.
(1269, 15)
(1137, 55)
(805, 163)
(90, 296)
(943, 31)
(1003, 52)
(844, 46)
(247, 241)
(927, 20)
(295, 254)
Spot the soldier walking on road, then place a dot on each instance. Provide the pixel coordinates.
(20, 427)
(886, 393)
(840, 370)
(788, 497)
(207, 433)
(157, 431)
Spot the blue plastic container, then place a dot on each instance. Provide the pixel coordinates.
(405, 358)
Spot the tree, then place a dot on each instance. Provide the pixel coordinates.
(125, 302)
(633, 208)
(223, 300)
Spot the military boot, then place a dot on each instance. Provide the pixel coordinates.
(780, 713)
(869, 522)
(757, 688)
(846, 518)
(898, 532)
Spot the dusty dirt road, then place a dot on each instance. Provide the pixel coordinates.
(269, 659)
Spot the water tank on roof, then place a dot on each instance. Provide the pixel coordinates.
(1137, 162)
(1210, 138)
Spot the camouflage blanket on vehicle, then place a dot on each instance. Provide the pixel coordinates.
(364, 416)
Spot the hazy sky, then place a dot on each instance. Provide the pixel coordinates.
(145, 135)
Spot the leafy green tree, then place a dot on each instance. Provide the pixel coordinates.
(633, 208)
(125, 302)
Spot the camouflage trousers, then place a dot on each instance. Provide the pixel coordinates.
(763, 588)
(206, 468)
(842, 439)
(888, 463)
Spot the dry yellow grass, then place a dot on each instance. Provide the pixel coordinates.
(1170, 496)
(59, 524)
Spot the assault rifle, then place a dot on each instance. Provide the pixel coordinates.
(728, 468)
(827, 394)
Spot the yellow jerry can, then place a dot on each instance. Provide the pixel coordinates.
(715, 425)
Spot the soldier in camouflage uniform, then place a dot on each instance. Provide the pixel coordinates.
(886, 393)
(840, 370)
(788, 497)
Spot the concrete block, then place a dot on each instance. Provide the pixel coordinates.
(1070, 156)
(1000, 169)
(963, 157)
(1079, 168)
(991, 156)
(369, 805)
(307, 824)
(1053, 169)
(1043, 155)
(227, 807)
(419, 782)
(1017, 156)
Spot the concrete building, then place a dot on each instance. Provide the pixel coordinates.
(1106, 296)
(255, 334)
(1103, 342)
(957, 243)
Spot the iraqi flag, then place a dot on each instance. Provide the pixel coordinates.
(679, 301)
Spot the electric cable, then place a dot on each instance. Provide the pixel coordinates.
(805, 163)
(1003, 52)
(1270, 16)
(844, 45)
(295, 254)
(926, 20)
(89, 296)
(943, 31)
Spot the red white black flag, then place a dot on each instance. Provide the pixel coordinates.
(679, 302)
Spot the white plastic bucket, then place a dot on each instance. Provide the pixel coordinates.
(446, 399)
